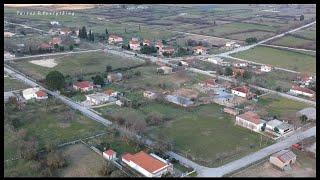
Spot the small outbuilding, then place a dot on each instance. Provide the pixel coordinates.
(283, 159)
(109, 154)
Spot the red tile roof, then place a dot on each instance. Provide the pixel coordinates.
(109, 91)
(146, 161)
(127, 157)
(41, 93)
(243, 89)
(45, 46)
(251, 116)
(209, 82)
(285, 156)
(133, 42)
(110, 152)
(83, 84)
(200, 47)
(56, 40)
(305, 90)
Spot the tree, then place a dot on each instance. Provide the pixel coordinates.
(56, 46)
(107, 33)
(164, 42)
(301, 17)
(251, 40)
(98, 80)
(61, 48)
(182, 52)
(139, 28)
(117, 173)
(84, 34)
(80, 33)
(247, 75)
(71, 47)
(303, 118)
(56, 160)
(263, 127)
(108, 68)
(214, 23)
(228, 71)
(276, 130)
(106, 169)
(154, 118)
(55, 80)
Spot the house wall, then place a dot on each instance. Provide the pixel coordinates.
(238, 93)
(300, 92)
(248, 124)
(29, 96)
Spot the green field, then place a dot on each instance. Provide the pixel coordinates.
(206, 133)
(13, 84)
(291, 41)
(51, 126)
(235, 27)
(196, 132)
(94, 62)
(280, 58)
(282, 107)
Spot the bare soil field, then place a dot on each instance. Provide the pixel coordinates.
(305, 166)
(49, 63)
(83, 162)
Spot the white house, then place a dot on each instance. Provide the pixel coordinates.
(272, 124)
(200, 50)
(184, 63)
(119, 103)
(109, 154)
(149, 94)
(98, 98)
(250, 120)
(266, 68)
(240, 64)
(8, 55)
(302, 91)
(215, 60)
(54, 23)
(114, 77)
(148, 165)
(241, 91)
(283, 127)
(34, 93)
(283, 159)
(165, 69)
(115, 39)
(134, 45)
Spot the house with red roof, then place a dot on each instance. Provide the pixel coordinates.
(150, 165)
(159, 45)
(305, 78)
(250, 120)
(83, 86)
(35, 92)
(242, 91)
(209, 83)
(200, 50)
(302, 91)
(134, 45)
(168, 50)
(283, 159)
(266, 68)
(109, 154)
(147, 42)
(114, 39)
(55, 40)
(45, 46)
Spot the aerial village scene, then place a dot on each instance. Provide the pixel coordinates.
(159, 90)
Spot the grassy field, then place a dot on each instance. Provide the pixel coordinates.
(95, 62)
(13, 84)
(51, 126)
(206, 134)
(83, 162)
(282, 107)
(20, 168)
(235, 27)
(291, 41)
(280, 58)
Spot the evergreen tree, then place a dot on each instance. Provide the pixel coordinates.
(84, 33)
